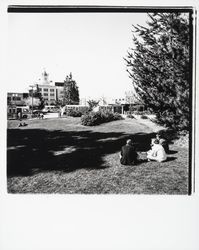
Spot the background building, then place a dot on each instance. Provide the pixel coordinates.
(16, 99)
(47, 89)
(59, 91)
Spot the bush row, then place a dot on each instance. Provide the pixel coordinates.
(96, 118)
(133, 117)
(74, 113)
(146, 112)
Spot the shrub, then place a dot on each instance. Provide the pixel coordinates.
(74, 113)
(183, 133)
(137, 113)
(168, 134)
(96, 118)
(91, 119)
(146, 112)
(130, 116)
(24, 116)
(117, 116)
(143, 117)
(170, 120)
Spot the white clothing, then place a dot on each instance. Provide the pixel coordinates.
(157, 153)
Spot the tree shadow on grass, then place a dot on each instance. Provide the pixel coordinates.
(31, 151)
(170, 158)
(172, 152)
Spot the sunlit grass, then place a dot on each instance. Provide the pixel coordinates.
(111, 177)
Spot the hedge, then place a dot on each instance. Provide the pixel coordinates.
(96, 118)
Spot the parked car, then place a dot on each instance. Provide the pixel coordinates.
(51, 109)
(18, 112)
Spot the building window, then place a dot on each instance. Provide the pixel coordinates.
(52, 90)
(15, 98)
(46, 90)
(45, 94)
(51, 94)
(40, 89)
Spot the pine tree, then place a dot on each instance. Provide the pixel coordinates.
(36, 94)
(71, 92)
(158, 65)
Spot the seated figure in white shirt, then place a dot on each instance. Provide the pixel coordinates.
(157, 152)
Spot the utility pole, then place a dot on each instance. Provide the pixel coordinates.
(32, 86)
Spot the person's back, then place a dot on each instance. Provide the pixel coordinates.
(163, 142)
(128, 154)
(161, 154)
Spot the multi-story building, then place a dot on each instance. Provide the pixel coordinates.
(52, 92)
(46, 88)
(16, 99)
(59, 91)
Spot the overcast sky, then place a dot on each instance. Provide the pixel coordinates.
(90, 45)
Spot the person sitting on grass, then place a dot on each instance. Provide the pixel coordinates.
(128, 154)
(157, 152)
(22, 124)
(163, 142)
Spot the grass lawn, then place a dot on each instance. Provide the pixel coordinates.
(60, 155)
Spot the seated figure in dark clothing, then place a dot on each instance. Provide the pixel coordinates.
(163, 142)
(128, 154)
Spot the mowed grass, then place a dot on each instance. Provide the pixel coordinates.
(62, 156)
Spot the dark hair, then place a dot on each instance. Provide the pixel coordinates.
(156, 141)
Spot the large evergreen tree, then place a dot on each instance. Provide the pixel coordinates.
(158, 65)
(71, 92)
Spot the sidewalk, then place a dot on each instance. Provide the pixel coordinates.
(51, 115)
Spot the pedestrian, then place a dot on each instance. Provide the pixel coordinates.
(59, 113)
(157, 152)
(62, 110)
(19, 115)
(128, 154)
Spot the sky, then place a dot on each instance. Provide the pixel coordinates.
(90, 45)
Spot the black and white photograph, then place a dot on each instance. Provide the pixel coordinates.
(100, 101)
(99, 118)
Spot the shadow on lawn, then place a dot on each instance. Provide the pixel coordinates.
(36, 150)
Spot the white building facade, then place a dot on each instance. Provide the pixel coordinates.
(47, 89)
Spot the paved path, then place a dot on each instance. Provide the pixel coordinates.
(51, 115)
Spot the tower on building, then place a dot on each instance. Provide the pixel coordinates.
(44, 79)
